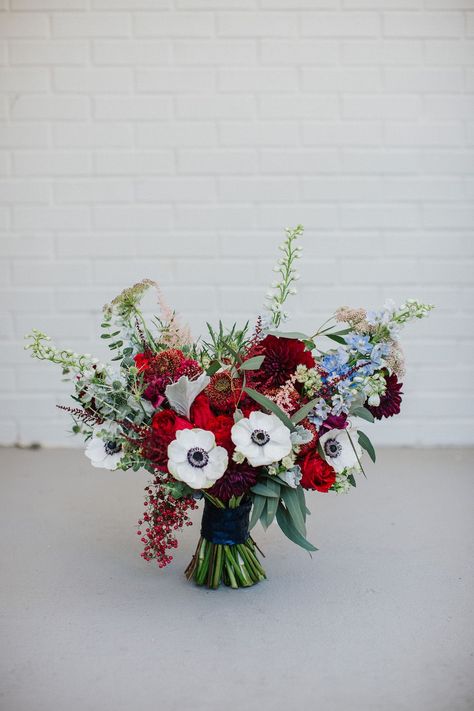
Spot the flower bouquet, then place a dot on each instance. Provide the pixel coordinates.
(246, 419)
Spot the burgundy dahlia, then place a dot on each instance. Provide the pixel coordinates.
(236, 481)
(282, 357)
(390, 401)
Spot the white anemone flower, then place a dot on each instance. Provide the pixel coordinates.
(338, 449)
(262, 439)
(194, 458)
(105, 451)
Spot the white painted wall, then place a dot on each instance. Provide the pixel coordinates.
(175, 139)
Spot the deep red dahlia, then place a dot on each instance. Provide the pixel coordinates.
(236, 481)
(282, 357)
(223, 391)
(390, 401)
(333, 422)
(317, 474)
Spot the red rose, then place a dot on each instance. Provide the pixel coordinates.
(221, 427)
(317, 474)
(163, 431)
(282, 357)
(201, 414)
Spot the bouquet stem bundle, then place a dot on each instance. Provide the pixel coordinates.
(236, 566)
(225, 552)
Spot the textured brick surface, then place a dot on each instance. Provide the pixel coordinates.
(175, 138)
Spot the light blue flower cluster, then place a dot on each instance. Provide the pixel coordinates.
(352, 364)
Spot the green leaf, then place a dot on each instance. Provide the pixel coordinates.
(213, 367)
(270, 405)
(258, 506)
(351, 480)
(290, 497)
(252, 363)
(335, 337)
(302, 501)
(290, 334)
(363, 413)
(365, 442)
(264, 490)
(304, 411)
(286, 525)
(272, 506)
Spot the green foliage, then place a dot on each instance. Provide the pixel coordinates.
(366, 444)
(225, 345)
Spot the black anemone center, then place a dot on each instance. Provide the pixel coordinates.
(332, 448)
(260, 437)
(198, 457)
(112, 447)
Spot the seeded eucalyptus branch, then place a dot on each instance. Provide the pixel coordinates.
(285, 267)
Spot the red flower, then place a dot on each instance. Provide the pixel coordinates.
(223, 391)
(317, 474)
(161, 369)
(163, 431)
(390, 401)
(221, 427)
(142, 360)
(236, 481)
(282, 356)
(201, 414)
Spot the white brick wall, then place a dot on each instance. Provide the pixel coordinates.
(175, 138)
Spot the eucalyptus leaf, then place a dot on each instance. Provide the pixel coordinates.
(366, 444)
(270, 405)
(238, 415)
(258, 506)
(272, 506)
(252, 363)
(363, 413)
(302, 501)
(304, 411)
(335, 337)
(286, 525)
(264, 490)
(290, 497)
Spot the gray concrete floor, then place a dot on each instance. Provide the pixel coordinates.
(379, 619)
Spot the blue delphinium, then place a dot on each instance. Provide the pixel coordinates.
(358, 343)
(320, 413)
(335, 363)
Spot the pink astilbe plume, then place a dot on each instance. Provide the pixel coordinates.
(174, 334)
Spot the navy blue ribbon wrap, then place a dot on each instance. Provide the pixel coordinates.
(226, 527)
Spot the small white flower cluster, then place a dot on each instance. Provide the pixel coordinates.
(309, 378)
(373, 386)
(80, 364)
(284, 286)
